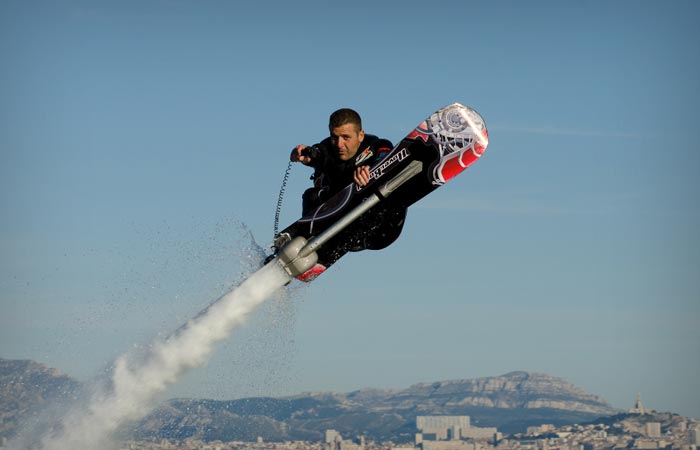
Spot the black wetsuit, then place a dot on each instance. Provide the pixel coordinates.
(332, 174)
(374, 230)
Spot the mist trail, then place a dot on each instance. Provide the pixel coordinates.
(135, 382)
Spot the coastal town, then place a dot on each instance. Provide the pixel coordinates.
(637, 428)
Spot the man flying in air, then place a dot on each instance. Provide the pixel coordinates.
(340, 159)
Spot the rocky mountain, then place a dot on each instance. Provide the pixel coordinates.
(515, 390)
(510, 402)
(26, 387)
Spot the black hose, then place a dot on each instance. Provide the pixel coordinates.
(280, 199)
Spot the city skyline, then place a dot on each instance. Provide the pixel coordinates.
(636, 431)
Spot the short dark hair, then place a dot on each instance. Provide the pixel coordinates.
(344, 116)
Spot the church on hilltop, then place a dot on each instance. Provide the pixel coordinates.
(638, 406)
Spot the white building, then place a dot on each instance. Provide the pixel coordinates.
(452, 428)
(638, 407)
(653, 429)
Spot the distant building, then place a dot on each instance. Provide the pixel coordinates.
(645, 444)
(334, 441)
(450, 445)
(638, 407)
(540, 429)
(653, 429)
(350, 445)
(695, 436)
(439, 426)
(449, 428)
(481, 433)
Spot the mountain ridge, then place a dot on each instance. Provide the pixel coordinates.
(510, 402)
(27, 387)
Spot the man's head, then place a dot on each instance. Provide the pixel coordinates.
(345, 126)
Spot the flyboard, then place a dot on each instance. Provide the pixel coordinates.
(371, 217)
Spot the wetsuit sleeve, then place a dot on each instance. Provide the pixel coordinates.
(321, 160)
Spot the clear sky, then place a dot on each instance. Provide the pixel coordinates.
(137, 137)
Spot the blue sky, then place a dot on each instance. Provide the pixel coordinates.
(136, 137)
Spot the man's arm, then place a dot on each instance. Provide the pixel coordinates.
(361, 176)
(298, 155)
(382, 147)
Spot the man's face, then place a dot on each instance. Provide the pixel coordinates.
(347, 140)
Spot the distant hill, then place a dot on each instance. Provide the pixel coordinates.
(510, 402)
(26, 387)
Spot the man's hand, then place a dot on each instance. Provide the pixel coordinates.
(361, 176)
(296, 155)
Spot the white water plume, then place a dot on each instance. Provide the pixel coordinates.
(135, 384)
